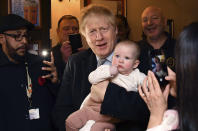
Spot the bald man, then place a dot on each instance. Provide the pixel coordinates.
(153, 26)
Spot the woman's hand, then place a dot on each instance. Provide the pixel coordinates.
(155, 99)
(172, 81)
(53, 76)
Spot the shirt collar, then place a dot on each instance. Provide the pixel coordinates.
(108, 58)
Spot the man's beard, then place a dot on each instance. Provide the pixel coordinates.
(13, 53)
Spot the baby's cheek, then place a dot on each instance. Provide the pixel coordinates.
(128, 65)
(114, 62)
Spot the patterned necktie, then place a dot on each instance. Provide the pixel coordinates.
(101, 62)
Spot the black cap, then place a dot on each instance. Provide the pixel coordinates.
(14, 22)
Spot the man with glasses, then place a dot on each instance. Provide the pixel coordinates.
(26, 95)
(17, 37)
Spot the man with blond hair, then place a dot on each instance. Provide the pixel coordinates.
(98, 25)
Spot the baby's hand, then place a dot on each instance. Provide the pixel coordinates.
(113, 70)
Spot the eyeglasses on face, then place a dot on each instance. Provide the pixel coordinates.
(18, 37)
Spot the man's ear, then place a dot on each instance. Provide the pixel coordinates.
(136, 63)
(2, 39)
(116, 30)
(57, 30)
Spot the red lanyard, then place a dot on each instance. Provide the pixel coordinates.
(29, 85)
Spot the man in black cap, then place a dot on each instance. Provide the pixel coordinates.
(26, 95)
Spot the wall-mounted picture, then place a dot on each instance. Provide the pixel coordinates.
(28, 9)
(117, 6)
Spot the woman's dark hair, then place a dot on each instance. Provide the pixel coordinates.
(187, 77)
(123, 27)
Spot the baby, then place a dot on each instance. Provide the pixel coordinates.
(123, 72)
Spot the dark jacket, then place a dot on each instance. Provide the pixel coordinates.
(145, 59)
(75, 87)
(14, 111)
(146, 48)
(127, 106)
(58, 60)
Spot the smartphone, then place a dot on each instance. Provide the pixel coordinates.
(75, 42)
(159, 67)
(45, 54)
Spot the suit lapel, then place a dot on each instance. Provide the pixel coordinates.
(89, 64)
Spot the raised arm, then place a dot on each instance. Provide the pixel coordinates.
(124, 105)
(155, 99)
(119, 103)
(102, 73)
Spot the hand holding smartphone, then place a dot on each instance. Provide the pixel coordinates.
(159, 67)
(75, 42)
(45, 54)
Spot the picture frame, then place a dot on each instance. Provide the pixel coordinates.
(34, 47)
(28, 9)
(117, 6)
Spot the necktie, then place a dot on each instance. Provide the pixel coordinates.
(101, 62)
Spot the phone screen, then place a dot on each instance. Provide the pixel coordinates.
(159, 66)
(75, 42)
(45, 55)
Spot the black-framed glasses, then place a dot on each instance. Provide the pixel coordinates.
(18, 37)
